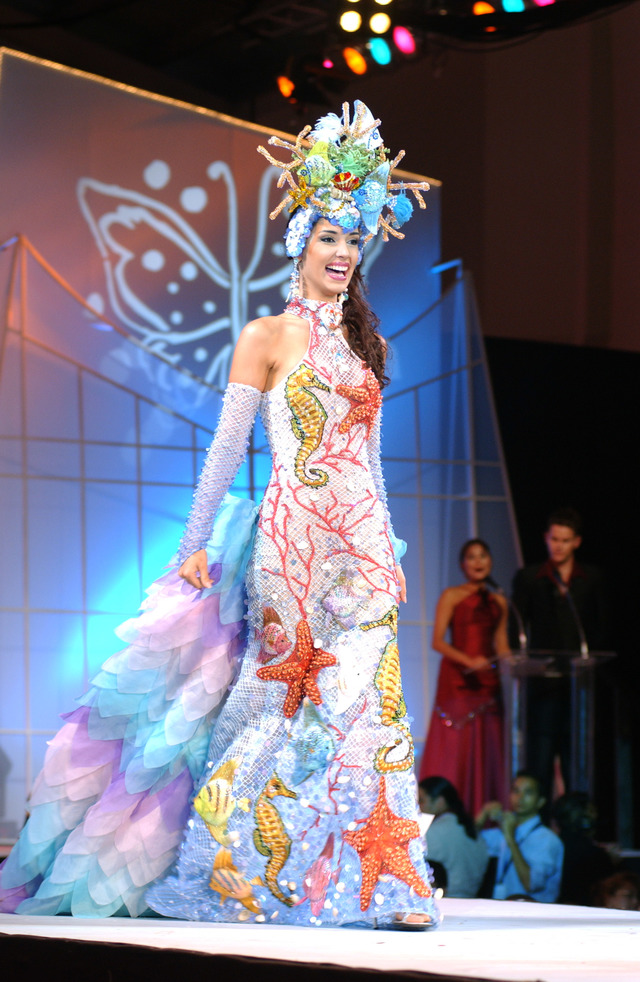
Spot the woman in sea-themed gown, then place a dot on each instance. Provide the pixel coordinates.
(248, 757)
(465, 740)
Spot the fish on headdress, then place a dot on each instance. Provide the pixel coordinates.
(315, 747)
(215, 803)
(365, 120)
(231, 884)
(273, 637)
(318, 877)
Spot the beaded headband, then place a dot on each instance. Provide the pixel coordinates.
(343, 175)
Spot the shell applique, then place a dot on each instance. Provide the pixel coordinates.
(346, 596)
(318, 877)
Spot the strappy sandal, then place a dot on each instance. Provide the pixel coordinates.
(401, 922)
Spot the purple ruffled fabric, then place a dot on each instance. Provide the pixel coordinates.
(108, 809)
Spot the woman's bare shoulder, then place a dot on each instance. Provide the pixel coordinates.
(453, 595)
(270, 327)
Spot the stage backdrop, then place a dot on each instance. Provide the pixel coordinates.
(136, 245)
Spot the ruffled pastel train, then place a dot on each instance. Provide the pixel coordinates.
(108, 810)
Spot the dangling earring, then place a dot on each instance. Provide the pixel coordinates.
(294, 283)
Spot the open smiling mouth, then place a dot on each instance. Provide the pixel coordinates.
(340, 271)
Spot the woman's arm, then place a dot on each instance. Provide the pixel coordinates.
(500, 637)
(248, 378)
(449, 599)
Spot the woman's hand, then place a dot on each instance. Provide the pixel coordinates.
(195, 570)
(477, 663)
(402, 584)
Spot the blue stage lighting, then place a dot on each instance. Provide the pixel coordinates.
(379, 51)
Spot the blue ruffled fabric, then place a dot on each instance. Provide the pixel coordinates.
(108, 809)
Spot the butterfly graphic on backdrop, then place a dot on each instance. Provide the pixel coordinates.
(196, 314)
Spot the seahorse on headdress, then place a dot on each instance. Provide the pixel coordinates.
(392, 704)
(270, 837)
(308, 421)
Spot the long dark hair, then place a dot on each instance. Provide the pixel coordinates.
(362, 327)
(462, 555)
(435, 787)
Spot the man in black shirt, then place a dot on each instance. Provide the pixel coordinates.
(562, 606)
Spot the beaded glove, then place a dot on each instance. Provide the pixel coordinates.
(226, 453)
(373, 449)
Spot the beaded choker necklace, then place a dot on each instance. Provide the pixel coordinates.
(329, 314)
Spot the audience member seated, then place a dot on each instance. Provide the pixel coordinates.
(618, 892)
(585, 862)
(452, 838)
(529, 854)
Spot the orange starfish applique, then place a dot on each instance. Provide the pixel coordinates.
(383, 847)
(299, 671)
(366, 401)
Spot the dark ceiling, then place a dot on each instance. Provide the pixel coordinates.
(225, 53)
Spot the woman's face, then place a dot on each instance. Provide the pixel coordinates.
(432, 806)
(328, 261)
(476, 564)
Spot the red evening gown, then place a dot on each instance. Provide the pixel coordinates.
(464, 742)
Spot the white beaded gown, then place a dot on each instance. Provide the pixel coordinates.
(287, 795)
(307, 813)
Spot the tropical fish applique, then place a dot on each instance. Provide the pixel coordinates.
(215, 803)
(318, 877)
(315, 748)
(392, 704)
(270, 837)
(307, 423)
(231, 884)
(273, 637)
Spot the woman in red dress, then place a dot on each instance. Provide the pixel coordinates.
(464, 742)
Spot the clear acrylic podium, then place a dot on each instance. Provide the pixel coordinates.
(579, 667)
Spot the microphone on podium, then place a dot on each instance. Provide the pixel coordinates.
(566, 592)
(522, 634)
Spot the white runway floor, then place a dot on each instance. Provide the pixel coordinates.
(479, 939)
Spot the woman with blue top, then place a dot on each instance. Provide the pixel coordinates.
(452, 840)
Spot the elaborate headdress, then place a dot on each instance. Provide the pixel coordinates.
(340, 171)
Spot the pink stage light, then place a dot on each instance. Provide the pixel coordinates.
(543, 3)
(404, 40)
(327, 63)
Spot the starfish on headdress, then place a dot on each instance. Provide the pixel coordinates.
(366, 400)
(301, 196)
(383, 847)
(299, 671)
